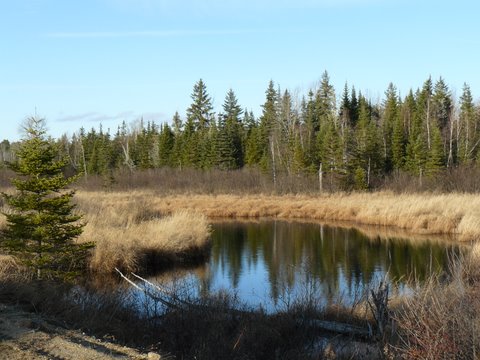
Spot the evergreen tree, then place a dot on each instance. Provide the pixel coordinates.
(398, 144)
(436, 159)
(325, 101)
(200, 111)
(353, 106)
(166, 143)
(469, 127)
(226, 147)
(441, 104)
(346, 108)
(312, 127)
(419, 139)
(268, 122)
(230, 133)
(329, 143)
(177, 124)
(390, 118)
(367, 159)
(253, 147)
(286, 130)
(442, 115)
(42, 227)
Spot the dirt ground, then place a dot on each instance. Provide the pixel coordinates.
(29, 336)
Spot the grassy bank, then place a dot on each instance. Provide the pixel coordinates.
(131, 235)
(454, 214)
(128, 238)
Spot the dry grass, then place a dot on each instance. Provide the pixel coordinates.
(128, 234)
(9, 269)
(456, 214)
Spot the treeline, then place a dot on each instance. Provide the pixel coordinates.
(349, 144)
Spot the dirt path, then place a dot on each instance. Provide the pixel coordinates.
(28, 336)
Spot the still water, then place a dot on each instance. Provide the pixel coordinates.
(272, 263)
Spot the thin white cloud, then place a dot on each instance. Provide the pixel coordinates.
(128, 116)
(154, 34)
(95, 117)
(167, 5)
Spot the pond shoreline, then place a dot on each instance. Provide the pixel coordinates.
(457, 215)
(422, 214)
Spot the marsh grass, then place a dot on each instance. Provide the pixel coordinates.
(130, 235)
(425, 214)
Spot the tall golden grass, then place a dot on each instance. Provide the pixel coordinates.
(126, 232)
(128, 229)
(455, 214)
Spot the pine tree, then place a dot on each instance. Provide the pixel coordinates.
(200, 111)
(42, 226)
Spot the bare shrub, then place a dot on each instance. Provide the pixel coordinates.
(441, 319)
(187, 180)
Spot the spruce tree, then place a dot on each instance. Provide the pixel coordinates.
(469, 127)
(230, 131)
(200, 111)
(268, 122)
(166, 141)
(41, 223)
(435, 160)
(311, 123)
(390, 121)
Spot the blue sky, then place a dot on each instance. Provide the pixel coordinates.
(82, 63)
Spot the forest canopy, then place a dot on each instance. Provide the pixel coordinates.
(345, 136)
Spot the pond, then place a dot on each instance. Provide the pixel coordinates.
(271, 263)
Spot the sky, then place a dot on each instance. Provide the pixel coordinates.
(91, 62)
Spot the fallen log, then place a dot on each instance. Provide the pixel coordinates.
(341, 328)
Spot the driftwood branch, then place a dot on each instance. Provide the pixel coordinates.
(148, 293)
(341, 328)
(162, 290)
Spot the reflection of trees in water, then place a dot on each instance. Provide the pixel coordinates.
(338, 259)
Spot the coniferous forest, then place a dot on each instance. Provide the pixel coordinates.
(341, 136)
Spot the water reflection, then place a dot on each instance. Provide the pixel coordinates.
(264, 261)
